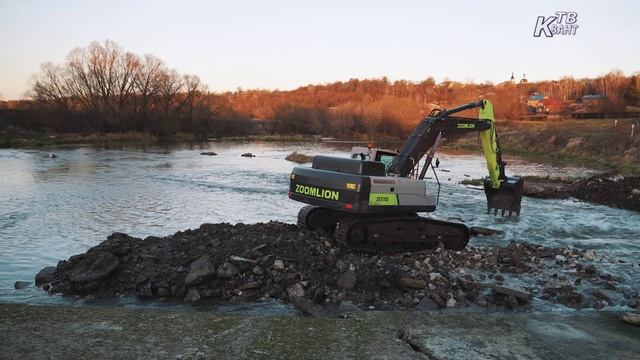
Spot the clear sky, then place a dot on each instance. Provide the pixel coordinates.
(286, 44)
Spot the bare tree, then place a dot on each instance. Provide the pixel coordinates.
(117, 90)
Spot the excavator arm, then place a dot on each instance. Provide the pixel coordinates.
(503, 193)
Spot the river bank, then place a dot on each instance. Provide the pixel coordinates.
(610, 189)
(37, 140)
(95, 332)
(602, 144)
(584, 143)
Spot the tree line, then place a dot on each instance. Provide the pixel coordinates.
(102, 88)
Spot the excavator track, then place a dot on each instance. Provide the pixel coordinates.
(316, 217)
(400, 234)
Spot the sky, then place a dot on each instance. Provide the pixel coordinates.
(286, 44)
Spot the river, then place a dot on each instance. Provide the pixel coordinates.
(52, 208)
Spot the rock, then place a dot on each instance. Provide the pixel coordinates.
(248, 154)
(477, 230)
(93, 268)
(249, 285)
(560, 258)
(299, 158)
(308, 307)
(144, 291)
(451, 302)
(347, 280)
(227, 270)
(631, 318)
(192, 295)
(438, 300)
(278, 265)
(590, 269)
(200, 270)
(492, 260)
(257, 270)
(211, 293)
(434, 276)
(427, 304)
(52, 156)
(208, 153)
(347, 307)
(163, 292)
(412, 283)
(295, 290)
(512, 291)
(21, 284)
(46, 275)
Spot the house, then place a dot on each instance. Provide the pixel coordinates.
(533, 102)
(593, 103)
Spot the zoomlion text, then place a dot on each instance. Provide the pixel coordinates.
(317, 192)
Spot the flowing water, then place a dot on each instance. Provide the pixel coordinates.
(52, 208)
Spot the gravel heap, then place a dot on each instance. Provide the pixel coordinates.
(236, 263)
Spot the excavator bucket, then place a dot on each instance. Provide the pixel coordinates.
(505, 198)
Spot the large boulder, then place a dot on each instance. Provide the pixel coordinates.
(45, 276)
(200, 270)
(92, 268)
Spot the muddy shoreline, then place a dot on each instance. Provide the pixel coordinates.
(610, 189)
(246, 263)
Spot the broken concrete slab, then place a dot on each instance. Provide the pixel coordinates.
(412, 283)
(483, 231)
(631, 318)
(516, 292)
(308, 307)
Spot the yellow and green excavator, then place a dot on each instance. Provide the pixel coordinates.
(372, 200)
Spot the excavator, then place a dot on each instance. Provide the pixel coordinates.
(371, 201)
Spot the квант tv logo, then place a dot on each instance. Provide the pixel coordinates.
(562, 23)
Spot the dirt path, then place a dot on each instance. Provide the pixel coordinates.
(61, 332)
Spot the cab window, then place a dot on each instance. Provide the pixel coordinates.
(386, 160)
(360, 156)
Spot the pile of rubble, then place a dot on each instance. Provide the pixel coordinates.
(610, 189)
(236, 263)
